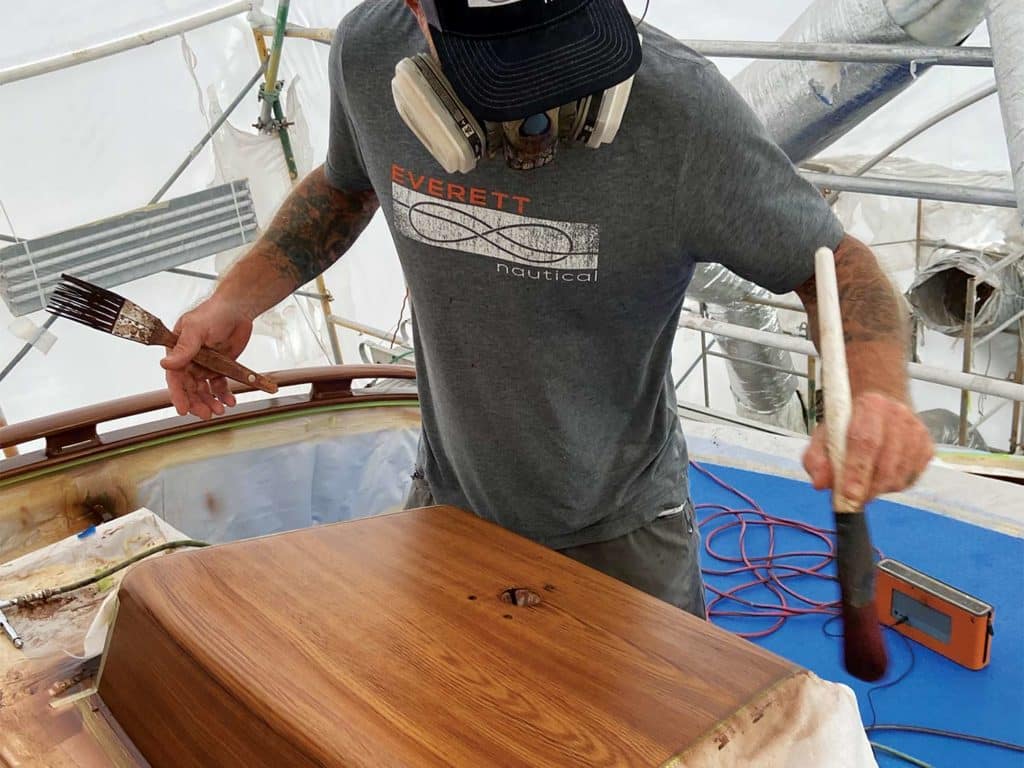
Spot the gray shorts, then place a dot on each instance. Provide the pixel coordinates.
(662, 558)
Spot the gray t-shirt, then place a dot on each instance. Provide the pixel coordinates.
(545, 302)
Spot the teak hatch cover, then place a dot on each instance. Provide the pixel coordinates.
(423, 638)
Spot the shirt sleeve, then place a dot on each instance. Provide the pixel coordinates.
(743, 204)
(344, 166)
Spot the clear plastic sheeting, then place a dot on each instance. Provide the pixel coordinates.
(939, 293)
(902, 239)
(808, 105)
(285, 487)
(58, 174)
(944, 427)
(890, 225)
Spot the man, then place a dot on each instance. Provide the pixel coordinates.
(547, 279)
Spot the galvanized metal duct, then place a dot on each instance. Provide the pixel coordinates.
(757, 374)
(939, 292)
(806, 106)
(1006, 31)
(944, 427)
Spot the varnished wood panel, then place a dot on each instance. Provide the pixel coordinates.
(385, 642)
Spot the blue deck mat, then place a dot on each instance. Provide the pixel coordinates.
(938, 693)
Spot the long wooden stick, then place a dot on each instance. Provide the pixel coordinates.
(863, 649)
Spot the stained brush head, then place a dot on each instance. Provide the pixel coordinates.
(863, 647)
(864, 653)
(86, 303)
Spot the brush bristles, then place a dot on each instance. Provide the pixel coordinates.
(864, 653)
(86, 303)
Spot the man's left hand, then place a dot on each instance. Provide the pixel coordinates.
(887, 448)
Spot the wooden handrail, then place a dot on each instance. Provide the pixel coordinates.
(75, 431)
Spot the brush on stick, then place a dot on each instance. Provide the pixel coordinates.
(863, 648)
(88, 304)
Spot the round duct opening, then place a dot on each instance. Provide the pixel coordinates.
(940, 293)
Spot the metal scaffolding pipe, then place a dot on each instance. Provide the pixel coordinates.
(316, 34)
(999, 329)
(775, 302)
(970, 381)
(367, 330)
(926, 190)
(862, 53)
(270, 91)
(1006, 30)
(137, 40)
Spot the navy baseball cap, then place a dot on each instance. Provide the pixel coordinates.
(509, 59)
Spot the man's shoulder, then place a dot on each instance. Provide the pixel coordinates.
(667, 51)
(677, 75)
(367, 43)
(374, 23)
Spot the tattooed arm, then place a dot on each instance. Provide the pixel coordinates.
(874, 325)
(315, 225)
(887, 445)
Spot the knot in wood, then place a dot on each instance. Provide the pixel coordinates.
(520, 596)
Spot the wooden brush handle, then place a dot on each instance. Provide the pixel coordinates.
(835, 375)
(864, 650)
(218, 363)
(215, 361)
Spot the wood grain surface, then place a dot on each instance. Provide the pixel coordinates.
(386, 642)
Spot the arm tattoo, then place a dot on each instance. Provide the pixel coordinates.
(872, 311)
(874, 322)
(315, 225)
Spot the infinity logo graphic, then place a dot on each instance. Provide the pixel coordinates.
(501, 235)
(517, 240)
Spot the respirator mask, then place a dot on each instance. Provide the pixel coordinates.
(458, 140)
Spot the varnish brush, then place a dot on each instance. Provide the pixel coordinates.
(863, 649)
(106, 311)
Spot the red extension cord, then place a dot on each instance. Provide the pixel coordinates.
(767, 570)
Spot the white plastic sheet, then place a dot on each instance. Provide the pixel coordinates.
(802, 722)
(286, 487)
(889, 224)
(77, 623)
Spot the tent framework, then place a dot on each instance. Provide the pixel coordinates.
(1006, 27)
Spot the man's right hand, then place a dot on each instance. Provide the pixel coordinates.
(314, 226)
(215, 323)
